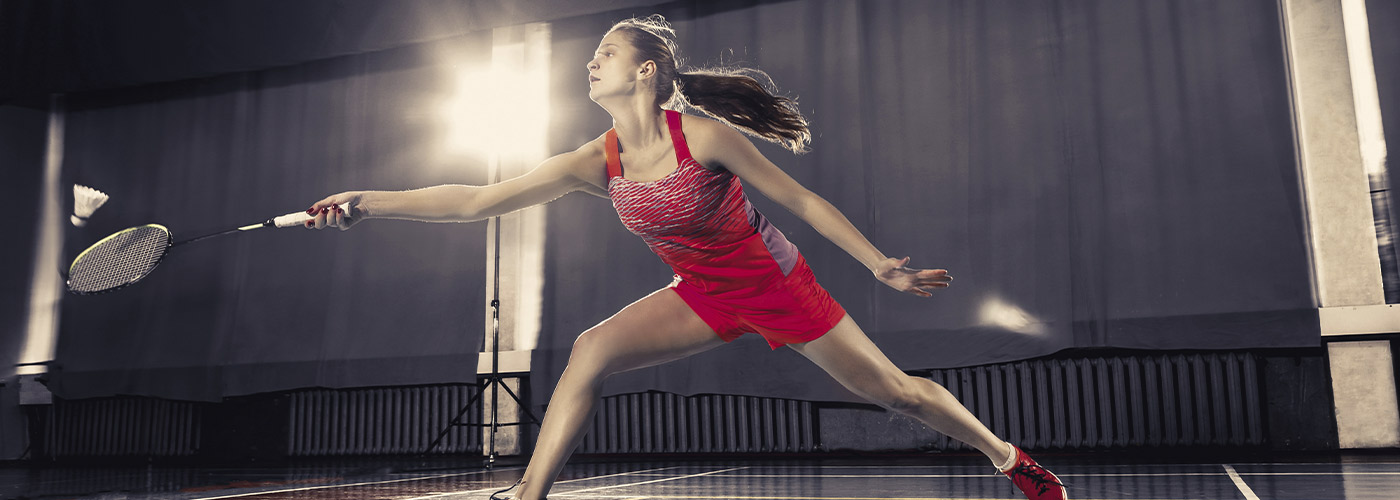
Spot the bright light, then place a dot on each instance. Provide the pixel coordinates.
(498, 111)
(998, 313)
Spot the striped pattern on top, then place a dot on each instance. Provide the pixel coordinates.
(699, 221)
(685, 215)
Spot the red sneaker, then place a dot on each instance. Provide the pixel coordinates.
(1037, 482)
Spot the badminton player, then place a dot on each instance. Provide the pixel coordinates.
(675, 181)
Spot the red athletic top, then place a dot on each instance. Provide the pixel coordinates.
(700, 223)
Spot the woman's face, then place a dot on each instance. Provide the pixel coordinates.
(614, 69)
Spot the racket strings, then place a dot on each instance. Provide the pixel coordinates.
(119, 260)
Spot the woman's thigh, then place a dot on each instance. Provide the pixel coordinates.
(849, 356)
(653, 330)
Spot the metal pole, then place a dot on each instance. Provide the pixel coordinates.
(495, 322)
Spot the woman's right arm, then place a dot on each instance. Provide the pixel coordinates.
(578, 170)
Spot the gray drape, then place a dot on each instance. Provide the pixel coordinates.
(1094, 175)
(1110, 174)
(389, 303)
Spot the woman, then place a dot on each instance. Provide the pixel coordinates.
(675, 181)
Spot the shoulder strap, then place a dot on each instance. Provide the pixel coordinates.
(610, 150)
(673, 119)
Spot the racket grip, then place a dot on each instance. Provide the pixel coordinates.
(300, 218)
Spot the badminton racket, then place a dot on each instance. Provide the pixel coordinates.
(131, 254)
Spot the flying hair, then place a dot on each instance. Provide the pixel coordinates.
(743, 98)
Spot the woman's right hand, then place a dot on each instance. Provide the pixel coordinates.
(327, 212)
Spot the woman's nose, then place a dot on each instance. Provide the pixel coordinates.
(592, 65)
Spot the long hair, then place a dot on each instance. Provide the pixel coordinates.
(743, 98)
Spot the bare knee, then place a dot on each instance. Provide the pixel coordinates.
(590, 353)
(904, 394)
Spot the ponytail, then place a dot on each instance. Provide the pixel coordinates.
(736, 97)
(739, 97)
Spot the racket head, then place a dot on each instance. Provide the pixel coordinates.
(119, 260)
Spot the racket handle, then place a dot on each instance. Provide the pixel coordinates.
(300, 218)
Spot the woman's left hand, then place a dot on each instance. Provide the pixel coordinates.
(916, 281)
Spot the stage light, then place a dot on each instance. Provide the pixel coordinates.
(496, 115)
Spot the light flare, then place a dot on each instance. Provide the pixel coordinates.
(998, 313)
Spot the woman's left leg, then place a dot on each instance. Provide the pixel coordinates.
(852, 359)
(849, 356)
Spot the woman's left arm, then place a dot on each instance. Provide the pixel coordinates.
(735, 153)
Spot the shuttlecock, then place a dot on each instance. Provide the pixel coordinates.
(86, 200)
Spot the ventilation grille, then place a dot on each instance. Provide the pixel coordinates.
(1198, 399)
(382, 421)
(656, 422)
(119, 427)
(1209, 399)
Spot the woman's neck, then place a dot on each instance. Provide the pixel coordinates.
(639, 123)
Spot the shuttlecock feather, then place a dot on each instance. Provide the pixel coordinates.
(86, 200)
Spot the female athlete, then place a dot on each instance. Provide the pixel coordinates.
(675, 181)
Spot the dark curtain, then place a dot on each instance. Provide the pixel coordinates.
(60, 46)
(387, 303)
(1094, 174)
(22, 140)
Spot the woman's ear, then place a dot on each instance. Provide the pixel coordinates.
(647, 70)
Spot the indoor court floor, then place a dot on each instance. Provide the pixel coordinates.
(1366, 476)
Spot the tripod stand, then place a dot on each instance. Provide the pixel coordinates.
(494, 379)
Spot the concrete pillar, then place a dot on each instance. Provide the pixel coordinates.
(46, 285)
(1363, 385)
(1345, 253)
(1335, 109)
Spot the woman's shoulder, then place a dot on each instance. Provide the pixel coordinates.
(703, 126)
(587, 162)
(588, 155)
(707, 137)
(593, 148)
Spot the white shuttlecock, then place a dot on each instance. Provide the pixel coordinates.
(86, 200)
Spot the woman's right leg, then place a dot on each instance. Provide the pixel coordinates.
(658, 328)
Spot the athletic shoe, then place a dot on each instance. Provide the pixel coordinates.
(1037, 482)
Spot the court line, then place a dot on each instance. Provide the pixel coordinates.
(270, 492)
(1239, 483)
(1233, 474)
(290, 490)
(1062, 466)
(495, 488)
(650, 482)
(994, 475)
(773, 497)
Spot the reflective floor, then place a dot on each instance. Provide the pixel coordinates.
(1104, 476)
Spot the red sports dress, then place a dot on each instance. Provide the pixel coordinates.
(733, 268)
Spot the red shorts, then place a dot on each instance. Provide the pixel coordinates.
(785, 310)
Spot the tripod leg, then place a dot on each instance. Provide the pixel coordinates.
(457, 419)
(521, 404)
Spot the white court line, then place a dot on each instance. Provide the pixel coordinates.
(568, 493)
(1234, 476)
(994, 475)
(1068, 466)
(269, 492)
(732, 497)
(495, 488)
(1239, 483)
(1317, 473)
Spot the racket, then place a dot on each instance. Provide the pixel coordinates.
(129, 255)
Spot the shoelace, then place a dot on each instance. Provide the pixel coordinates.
(508, 488)
(1037, 474)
